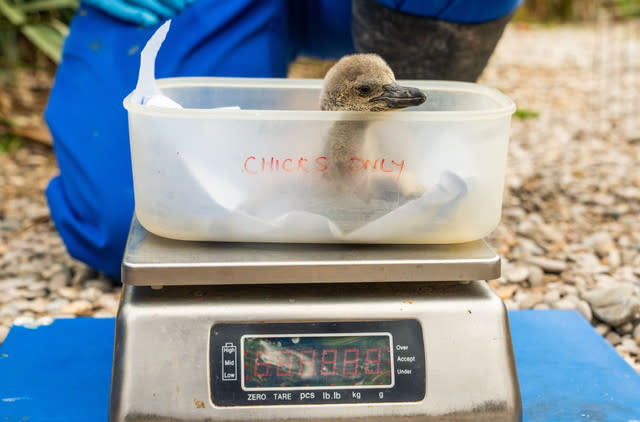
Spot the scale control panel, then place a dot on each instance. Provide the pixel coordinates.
(261, 364)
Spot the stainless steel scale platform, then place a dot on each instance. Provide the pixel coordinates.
(239, 332)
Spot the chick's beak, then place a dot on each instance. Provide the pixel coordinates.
(396, 96)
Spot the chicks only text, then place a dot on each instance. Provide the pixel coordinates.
(301, 165)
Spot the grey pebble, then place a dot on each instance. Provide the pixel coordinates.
(83, 273)
(56, 305)
(636, 334)
(626, 328)
(602, 329)
(564, 305)
(102, 314)
(4, 330)
(604, 280)
(551, 297)
(536, 276)
(108, 301)
(511, 304)
(629, 345)
(541, 307)
(9, 224)
(528, 300)
(39, 305)
(52, 269)
(17, 282)
(626, 274)
(613, 338)
(588, 261)
(9, 310)
(569, 290)
(571, 297)
(614, 259)
(516, 274)
(79, 307)
(36, 285)
(70, 293)
(21, 304)
(90, 293)
(619, 313)
(60, 279)
(529, 247)
(102, 285)
(585, 310)
(615, 305)
(548, 265)
(601, 242)
(32, 294)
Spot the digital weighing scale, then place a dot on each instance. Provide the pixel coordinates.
(248, 332)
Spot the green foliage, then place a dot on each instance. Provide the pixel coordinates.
(523, 113)
(554, 11)
(627, 8)
(43, 24)
(46, 38)
(9, 143)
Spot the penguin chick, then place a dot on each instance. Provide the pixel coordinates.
(364, 82)
(359, 82)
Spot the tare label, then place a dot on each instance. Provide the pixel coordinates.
(229, 362)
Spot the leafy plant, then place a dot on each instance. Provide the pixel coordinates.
(524, 113)
(9, 143)
(627, 8)
(554, 11)
(42, 23)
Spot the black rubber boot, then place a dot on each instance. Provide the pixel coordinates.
(417, 47)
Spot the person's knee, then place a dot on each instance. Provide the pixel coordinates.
(96, 237)
(423, 47)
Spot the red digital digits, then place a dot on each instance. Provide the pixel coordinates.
(325, 362)
(258, 363)
(369, 361)
(355, 353)
(350, 363)
(287, 363)
(309, 363)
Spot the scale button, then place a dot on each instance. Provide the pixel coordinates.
(229, 362)
(256, 397)
(283, 396)
(307, 395)
(332, 395)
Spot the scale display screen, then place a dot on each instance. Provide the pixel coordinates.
(305, 361)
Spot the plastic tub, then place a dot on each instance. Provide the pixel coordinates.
(269, 172)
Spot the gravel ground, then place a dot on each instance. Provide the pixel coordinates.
(570, 232)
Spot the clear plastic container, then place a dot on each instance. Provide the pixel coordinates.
(281, 170)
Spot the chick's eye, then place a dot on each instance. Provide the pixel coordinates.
(364, 90)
